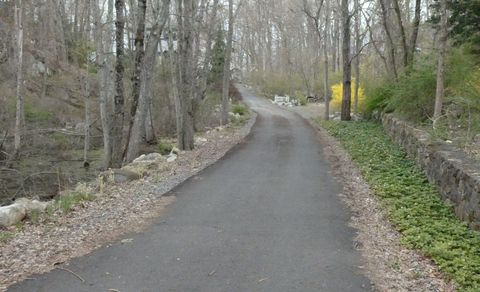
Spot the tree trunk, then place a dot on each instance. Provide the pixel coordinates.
(326, 85)
(186, 12)
(203, 78)
(19, 113)
(357, 56)
(137, 80)
(119, 99)
(390, 45)
(147, 68)
(226, 66)
(403, 35)
(86, 96)
(347, 66)
(174, 94)
(440, 92)
(416, 25)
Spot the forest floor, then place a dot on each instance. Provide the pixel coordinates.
(43, 244)
(389, 264)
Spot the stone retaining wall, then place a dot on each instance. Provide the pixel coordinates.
(456, 175)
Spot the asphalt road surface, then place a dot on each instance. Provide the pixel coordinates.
(266, 217)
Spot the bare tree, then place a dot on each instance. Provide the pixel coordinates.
(415, 29)
(86, 97)
(226, 65)
(137, 72)
(19, 119)
(185, 130)
(119, 99)
(347, 64)
(390, 45)
(357, 55)
(440, 92)
(147, 67)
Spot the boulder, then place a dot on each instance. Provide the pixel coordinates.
(32, 205)
(12, 214)
(171, 158)
(175, 150)
(119, 176)
(148, 158)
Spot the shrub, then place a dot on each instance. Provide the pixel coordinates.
(239, 109)
(62, 141)
(413, 96)
(337, 95)
(164, 148)
(36, 115)
(66, 203)
(302, 99)
(377, 99)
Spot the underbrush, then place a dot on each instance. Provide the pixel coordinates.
(413, 204)
(243, 115)
(67, 202)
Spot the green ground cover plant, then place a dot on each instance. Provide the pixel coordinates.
(413, 205)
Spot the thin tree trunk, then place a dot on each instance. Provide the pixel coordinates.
(103, 43)
(174, 94)
(86, 96)
(357, 56)
(416, 25)
(19, 113)
(203, 76)
(347, 66)
(326, 85)
(440, 92)
(390, 45)
(403, 35)
(226, 66)
(119, 99)
(186, 11)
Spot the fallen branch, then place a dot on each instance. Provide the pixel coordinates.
(72, 272)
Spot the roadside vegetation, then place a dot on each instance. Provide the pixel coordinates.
(413, 205)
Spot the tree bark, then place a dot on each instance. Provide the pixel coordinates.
(440, 92)
(86, 96)
(132, 149)
(147, 68)
(119, 99)
(226, 66)
(416, 26)
(326, 85)
(403, 35)
(347, 66)
(185, 130)
(19, 113)
(203, 75)
(174, 94)
(357, 56)
(390, 44)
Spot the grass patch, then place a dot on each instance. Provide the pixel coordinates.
(66, 203)
(164, 148)
(240, 121)
(239, 109)
(6, 236)
(412, 203)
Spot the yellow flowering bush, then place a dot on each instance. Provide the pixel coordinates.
(337, 94)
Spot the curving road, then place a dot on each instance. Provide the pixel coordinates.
(265, 218)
